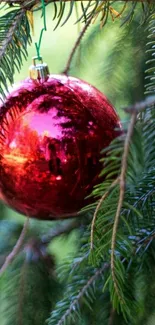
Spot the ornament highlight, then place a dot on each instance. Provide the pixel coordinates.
(51, 135)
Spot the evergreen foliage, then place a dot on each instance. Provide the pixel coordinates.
(14, 38)
(110, 279)
(29, 287)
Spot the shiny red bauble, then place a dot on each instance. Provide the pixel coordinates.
(51, 136)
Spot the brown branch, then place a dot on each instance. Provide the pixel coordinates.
(77, 43)
(134, 110)
(121, 196)
(98, 207)
(78, 32)
(16, 248)
(82, 292)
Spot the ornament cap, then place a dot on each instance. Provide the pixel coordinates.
(39, 71)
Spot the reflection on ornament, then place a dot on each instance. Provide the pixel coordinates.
(51, 135)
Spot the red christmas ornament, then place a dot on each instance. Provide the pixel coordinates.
(51, 135)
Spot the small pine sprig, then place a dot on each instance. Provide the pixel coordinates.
(150, 71)
(79, 291)
(29, 286)
(14, 39)
(123, 226)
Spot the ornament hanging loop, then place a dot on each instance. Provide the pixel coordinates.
(35, 58)
(38, 45)
(39, 71)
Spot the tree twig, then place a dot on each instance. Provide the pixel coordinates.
(16, 248)
(121, 196)
(114, 183)
(77, 43)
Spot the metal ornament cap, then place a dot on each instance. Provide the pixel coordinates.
(39, 71)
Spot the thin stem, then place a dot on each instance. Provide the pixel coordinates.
(121, 196)
(16, 248)
(78, 31)
(77, 43)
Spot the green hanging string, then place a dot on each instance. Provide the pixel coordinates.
(38, 45)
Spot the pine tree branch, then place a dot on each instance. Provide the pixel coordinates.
(150, 85)
(14, 38)
(77, 43)
(82, 293)
(10, 33)
(16, 248)
(121, 197)
(134, 110)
